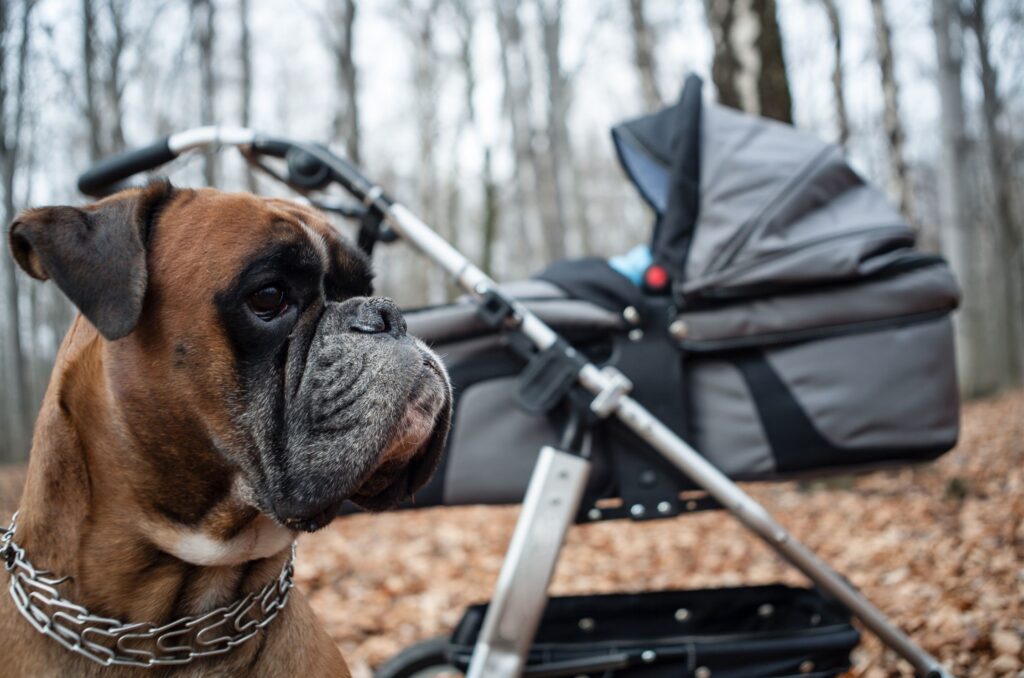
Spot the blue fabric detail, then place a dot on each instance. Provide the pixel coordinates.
(651, 178)
(633, 263)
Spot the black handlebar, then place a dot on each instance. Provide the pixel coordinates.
(307, 169)
(311, 167)
(108, 172)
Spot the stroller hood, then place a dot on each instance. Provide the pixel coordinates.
(747, 205)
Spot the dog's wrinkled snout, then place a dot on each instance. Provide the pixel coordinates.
(367, 414)
(378, 316)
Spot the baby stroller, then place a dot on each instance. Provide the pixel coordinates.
(780, 322)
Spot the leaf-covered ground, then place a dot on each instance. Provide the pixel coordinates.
(940, 548)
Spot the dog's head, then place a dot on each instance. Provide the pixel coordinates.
(246, 326)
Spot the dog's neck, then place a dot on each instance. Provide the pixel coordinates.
(149, 530)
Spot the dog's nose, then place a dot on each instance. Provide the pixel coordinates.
(378, 316)
(297, 515)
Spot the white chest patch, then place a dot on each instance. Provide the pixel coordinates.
(261, 538)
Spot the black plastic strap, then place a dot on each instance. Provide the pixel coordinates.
(369, 230)
(494, 309)
(549, 377)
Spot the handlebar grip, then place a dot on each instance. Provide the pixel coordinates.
(108, 172)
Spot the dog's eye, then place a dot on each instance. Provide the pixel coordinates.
(268, 303)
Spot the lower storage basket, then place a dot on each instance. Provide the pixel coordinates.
(748, 632)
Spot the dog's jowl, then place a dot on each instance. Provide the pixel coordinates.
(229, 383)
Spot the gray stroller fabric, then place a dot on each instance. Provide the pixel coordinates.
(778, 207)
(809, 336)
(916, 293)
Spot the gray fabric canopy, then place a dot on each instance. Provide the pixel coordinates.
(775, 206)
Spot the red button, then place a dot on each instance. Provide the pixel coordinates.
(656, 277)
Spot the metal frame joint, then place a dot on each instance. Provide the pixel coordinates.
(616, 386)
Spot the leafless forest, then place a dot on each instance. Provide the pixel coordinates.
(490, 117)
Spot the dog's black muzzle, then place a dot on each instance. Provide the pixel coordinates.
(366, 414)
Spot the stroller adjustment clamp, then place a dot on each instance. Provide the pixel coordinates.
(551, 373)
(613, 400)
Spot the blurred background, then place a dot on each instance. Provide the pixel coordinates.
(490, 119)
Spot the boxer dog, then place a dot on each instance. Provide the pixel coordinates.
(229, 383)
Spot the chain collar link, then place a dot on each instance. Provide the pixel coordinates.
(141, 644)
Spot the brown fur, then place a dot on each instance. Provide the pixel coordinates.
(125, 431)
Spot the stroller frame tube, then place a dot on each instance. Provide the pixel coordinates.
(513, 615)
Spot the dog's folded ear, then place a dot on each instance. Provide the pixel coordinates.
(95, 254)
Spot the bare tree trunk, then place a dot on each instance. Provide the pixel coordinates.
(418, 21)
(749, 69)
(643, 55)
(961, 243)
(1008, 230)
(426, 79)
(899, 179)
(491, 213)
(734, 79)
(341, 42)
(245, 58)
(18, 406)
(103, 79)
(114, 82)
(92, 112)
(203, 18)
(41, 356)
(465, 28)
(559, 156)
(490, 210)
(773, 85)
(836, 26)
(515, 70)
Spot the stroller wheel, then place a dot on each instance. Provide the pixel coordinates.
(426, 659)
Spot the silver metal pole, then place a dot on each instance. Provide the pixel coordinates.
(520, 596)
(607, 386)
(200, 137)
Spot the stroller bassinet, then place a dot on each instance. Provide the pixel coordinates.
(797, 331)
